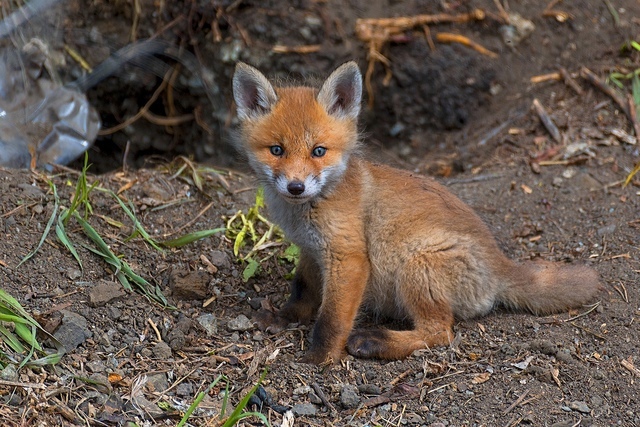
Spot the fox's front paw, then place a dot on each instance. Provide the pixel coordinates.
(367, 343)
(270, 322)
(320, 358)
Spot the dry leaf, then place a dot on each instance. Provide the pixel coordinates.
(481, 378)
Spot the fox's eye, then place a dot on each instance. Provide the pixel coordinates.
(319, 151)
(276, 150)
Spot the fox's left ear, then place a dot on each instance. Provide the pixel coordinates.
(341, 93)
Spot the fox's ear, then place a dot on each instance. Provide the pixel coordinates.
(253, 93)
(341, 93)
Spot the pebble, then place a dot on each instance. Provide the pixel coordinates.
(220, 259)
(301, 391)
(9, 373)
(105, 292)
(607, 230)
(162, 351)
(209, 323)
(369, 389)
(176, 339)
(304, 409)
(73, 330)
(74, 273)
(240, 323)
(580, 406)
(313, 398)
(349, 396)
(189, 285)
(184, 389)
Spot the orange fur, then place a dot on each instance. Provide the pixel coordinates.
(373, 237)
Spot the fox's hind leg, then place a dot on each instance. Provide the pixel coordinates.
(381, 343)
(303, 303)
(421, 292)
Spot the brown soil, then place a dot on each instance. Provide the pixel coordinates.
(451, 113)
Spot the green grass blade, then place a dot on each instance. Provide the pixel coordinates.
(11, 340)
(191, 237)
(47, 229)
(237, 414)
(635, 91)
(64, 239)
(197, 401)
(137, 226)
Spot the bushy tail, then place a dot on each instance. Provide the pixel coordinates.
(546, 287)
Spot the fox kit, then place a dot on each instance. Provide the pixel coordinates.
(373, 237)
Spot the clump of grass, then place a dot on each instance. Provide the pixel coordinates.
(256, 232)
(18, 332)
(238, 413)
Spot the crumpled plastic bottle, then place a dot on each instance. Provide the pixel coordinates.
(41, 122)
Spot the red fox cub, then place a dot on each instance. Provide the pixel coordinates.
(373, 237)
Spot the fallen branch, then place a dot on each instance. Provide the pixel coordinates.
(547, 121)
(457, 38)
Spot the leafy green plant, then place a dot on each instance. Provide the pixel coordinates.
(18, 331)
(238, 413)
(253, 230)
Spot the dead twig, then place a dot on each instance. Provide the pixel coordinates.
(589, 76)
(310, 48)
(316, 387)
(570, 81)
(629, 366)
(21, 384)
(376, 32)
(516, 403)
(633, 115)
(547, 121)
(593, 307)
(622, 290)
(457, 38)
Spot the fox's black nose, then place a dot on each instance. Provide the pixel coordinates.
(296, 188)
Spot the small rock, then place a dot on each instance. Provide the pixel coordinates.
(301, 391)
(189, 285)
(139, 402)
(557, 181)
(313, 398)
(184, 389)
(157, 382)
(105, 292)
(304, 409)
(256, 303)
(220, 259)
(162, 351)
(580, 406)
(240, 323)
(607, 230)
(369, 389)
(74, 273)
(96, 366)
(9, 373)
(30, 191)
(543, 346)
(176, 339)
(349, 396)
(209, 322)
(72, 331)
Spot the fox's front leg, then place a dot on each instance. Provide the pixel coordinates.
(305, 298)
(345, 282)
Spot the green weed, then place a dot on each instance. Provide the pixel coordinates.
(238, 413)
(18, 329)
(253, 230)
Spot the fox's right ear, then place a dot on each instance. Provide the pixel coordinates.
(253, 93)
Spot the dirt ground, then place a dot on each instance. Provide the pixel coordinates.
(452, 113)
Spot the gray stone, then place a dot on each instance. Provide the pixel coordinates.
(9, 373)
(304, 409)
(607, 230)
(301, 391)
(313, 398)
(176, 339)
(72, 331)
(189, 285)
(184, 389)
(209, 323)
(240, 323)
(96, 366)
(349, 396)
(157, 382)
(162, 351)
(256, 303)
(580, 406)
(104, 292)
(74, 273)
(220, 259)
(369, 389)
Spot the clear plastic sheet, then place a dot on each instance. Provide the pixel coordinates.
(41, 122)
